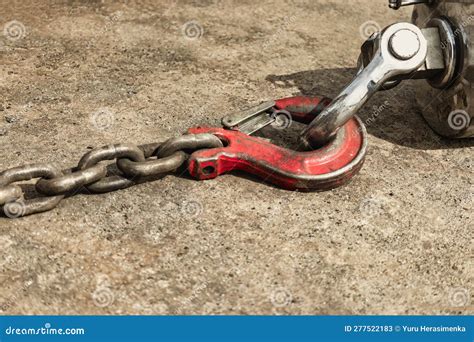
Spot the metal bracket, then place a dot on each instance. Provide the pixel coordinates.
(252, 119)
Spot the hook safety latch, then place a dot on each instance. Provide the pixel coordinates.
(324, 168)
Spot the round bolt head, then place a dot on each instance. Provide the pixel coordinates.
(404, 44)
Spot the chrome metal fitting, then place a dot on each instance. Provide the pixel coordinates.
(399, 50)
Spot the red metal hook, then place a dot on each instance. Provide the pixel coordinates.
(325, 168)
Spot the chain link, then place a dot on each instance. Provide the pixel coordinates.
(19, 207)
(111, 152)
(134, 164)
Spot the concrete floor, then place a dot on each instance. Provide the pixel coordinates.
(397, 240)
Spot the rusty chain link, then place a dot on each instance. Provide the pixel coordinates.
(134, 164)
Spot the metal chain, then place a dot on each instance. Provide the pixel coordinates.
(134, 164)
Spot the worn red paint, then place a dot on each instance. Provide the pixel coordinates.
(322, 169)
